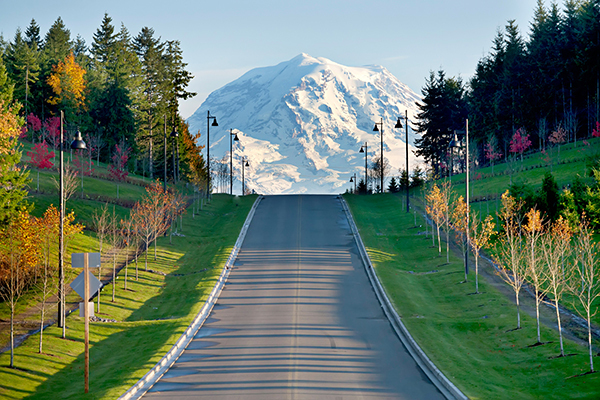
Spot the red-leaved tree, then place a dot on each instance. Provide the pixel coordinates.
(82, 164)
(52, 128)
(520, 142)
(34, 125)
(492, 153)
(118, 168)
(40, 158)
(596, 132)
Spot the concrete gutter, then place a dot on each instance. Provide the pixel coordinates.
(448, 389)
(161, 367)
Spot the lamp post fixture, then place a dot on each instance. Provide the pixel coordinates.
(244, 164)
(399, 126)
(364, 149)
(231, 159)
(78, 143)
(353, 179)
(376, 129)
(175, 135)
(208, 124)
(455, 143)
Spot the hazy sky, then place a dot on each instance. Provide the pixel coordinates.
(223, 39)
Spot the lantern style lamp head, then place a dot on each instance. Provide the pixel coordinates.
(362, 150)
(351, 179)
(376, 129)
(235, 138)
(247, 165)
(398, 124)
(214, 122)
(174, 133)
(455, 143)
(78, 143)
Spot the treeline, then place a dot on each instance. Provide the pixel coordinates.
(545, 88)
(118, 91)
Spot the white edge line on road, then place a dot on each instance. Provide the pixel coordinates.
(161, 367)
(448, 389)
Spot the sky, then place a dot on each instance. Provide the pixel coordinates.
(221, 40)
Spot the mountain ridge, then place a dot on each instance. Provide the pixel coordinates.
(301, 123)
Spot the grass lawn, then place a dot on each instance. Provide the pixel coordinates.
(468, 336)
(152, 314)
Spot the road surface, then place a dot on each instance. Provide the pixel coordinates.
(297, 319)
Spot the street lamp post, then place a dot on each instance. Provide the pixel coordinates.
(364, 149)
(231, 159)
(244, 164)
(376, 129)
(78, 143)
(353, 179)
(175, 135)
(455, 143)
(399, 126)
(165, 154)
(208, 124)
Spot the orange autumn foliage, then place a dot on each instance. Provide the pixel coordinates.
(68, 83)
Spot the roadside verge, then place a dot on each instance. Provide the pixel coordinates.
(162, 366)
(445, 386)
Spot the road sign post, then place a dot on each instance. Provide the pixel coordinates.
(77, 259)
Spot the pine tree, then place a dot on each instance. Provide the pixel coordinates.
(151, 54)
(32, 35)
(393, 186)
(23, 68)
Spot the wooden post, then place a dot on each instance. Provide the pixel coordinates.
(86, 317)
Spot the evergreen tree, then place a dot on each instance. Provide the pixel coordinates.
(57, 44)
(32, 35)
(443, 110)
(393, 186)
(23, 68)
(361, 188)
(417, 177)
(404, 179)
(150, 51)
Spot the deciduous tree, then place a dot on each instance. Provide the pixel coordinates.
(510, 252)
(481, 232)
(586, 252)
(533, 231)
(556, 244)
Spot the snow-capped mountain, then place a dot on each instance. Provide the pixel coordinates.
(302, 122)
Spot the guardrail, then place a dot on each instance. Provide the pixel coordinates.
(161, 367)
(448, 389)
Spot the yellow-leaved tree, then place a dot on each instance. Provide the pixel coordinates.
(67, 81)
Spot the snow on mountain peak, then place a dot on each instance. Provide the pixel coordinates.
(302, 122)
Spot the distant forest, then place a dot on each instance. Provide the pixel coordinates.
(544, 90)
(121, 92)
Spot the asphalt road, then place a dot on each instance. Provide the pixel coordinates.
(298, 319)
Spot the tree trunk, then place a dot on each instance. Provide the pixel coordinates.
(589, 340)
(518, 310)
(477, 272)
(136, 264)
(537, 314)
(560, 337)
(146, 258)
(114, 281)
(126, 264)
(12, 335)
(439, 242)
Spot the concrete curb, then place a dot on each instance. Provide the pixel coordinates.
(161, 367)
(433, 373)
